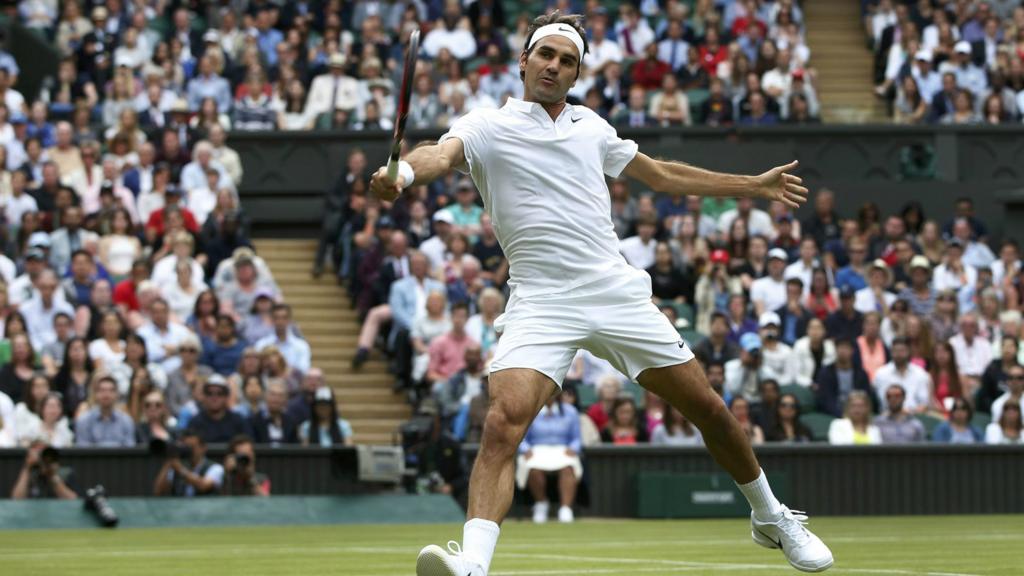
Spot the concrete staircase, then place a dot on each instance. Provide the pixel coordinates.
(835, 35)
(321, 309)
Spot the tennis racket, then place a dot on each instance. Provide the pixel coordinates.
(403, 102)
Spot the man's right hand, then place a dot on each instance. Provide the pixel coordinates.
(384, 187)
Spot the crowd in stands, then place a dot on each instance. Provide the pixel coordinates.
(332, 64)
(133, 307)
(949, 62)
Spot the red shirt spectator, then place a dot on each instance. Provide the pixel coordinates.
(156, 221)
(649, 71)
(712, 53)
(448, 352)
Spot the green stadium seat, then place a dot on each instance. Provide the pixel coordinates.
(818, 423)
(930, 422)
(587, 396)
(803, 395)
(636, 391)
(692, 337)
(981, 420)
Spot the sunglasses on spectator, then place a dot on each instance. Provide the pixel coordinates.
(190, 350)
(153, 404)
(215, 392)
(1016, 377)
(787, 404)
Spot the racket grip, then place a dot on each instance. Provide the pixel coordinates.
(393, 169)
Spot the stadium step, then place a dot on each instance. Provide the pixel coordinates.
(323, 312)
(844, 64)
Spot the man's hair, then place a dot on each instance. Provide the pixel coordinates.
(460, 306)
(281, 306)
(899, 340)
(193, 433)
(81, 252)
(556, 17)
(238, 441)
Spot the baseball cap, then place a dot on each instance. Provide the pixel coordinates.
(750, 342)
(323, 394)
(336, 60)
(787, 217)
(955, 242)
(719, 256)
(962, 47)
(385, 221)
(172, 191)
(923, 55)
(778, 253)
(215, 380)
(769, 319)
(847, 291)
(465, 184)
(444, 216)
(19, 118)
(39, 239)
(920, 261)
(798, 74)
(211, 36)
(35, 254)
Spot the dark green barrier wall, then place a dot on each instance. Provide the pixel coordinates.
(286, 173)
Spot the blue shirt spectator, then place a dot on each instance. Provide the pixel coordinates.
(208, 84)
(558, 424)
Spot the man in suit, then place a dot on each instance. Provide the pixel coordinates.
(334, 90)
(139, 179)
(635, 115)
(408, 299)
(275, 426)
(942, 103)
(835, 381)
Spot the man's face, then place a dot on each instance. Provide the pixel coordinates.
(196, 446)
(225, 330)
(894, 397)
(276, 399)
(716, 376)
(776, 267)
(459, 317)
(900, 353)
(47, 286)
(473, 358)
(106, 394)
(81, 267)
(159, 314)
(73, 218)
(246, 449)
(215, 398)
(719, 327)
(313, 380)
(844, 353)
(645, 231)
(245, 273)
(894, 228)
(969, 327)
(550, 69)
(282, 319)
(1015, 380)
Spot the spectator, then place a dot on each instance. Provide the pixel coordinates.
(295, 349)
(454, 393)
(447, 352)
(552, 444)
(676, 430)
(163, 336)
(740, 408)
(897, 425)
(793, 316)
(155, 424)
(788, 427)
(777, 356)
(855, 426)
(743, 375)
(973, 353)
(958, 428)
(871, 349)
(946, 378)
(240, 475)
(187, 472)
(41, 309)
(274, 425)
(769, 293)
(73, 377)
(811, 353)
(104, 425)
(325, 427)
(42, 476)
(49, 423)
(639, 250)
(238, 295)
(451, 34)
(914, 382)
(215, 423)
(223, 352)
(717, 348)
(301, 405)
(633, 32)
(187, 375)
(1014, 391)
(624, 426)
(636, 113)
(1007, 429)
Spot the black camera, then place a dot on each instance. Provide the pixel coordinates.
(169, 450)
(243, 460)
(96, 502)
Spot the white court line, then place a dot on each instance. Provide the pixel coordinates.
(726, 565)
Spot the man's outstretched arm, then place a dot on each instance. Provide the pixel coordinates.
(428, 163)
(679, 178)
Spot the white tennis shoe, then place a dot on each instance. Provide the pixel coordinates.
(435, 561)
(805, 551)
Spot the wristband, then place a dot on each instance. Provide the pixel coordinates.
(406, 172)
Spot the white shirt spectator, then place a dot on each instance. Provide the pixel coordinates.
(17, 206)
(840, 433)
(928, 84)
(973, 358)
(978, 255)
(999, 271)
(769, 292)
(14, 100)
(100, 351)
(159, 341)
(638, 254)
(994, 435)
(801, 270)
(634, 41)
(778, 364)
(165, 271)
(182, 302)
(201, 201)
(969, 77)
(343, 89)
(673, 52)
(865, 300)
(194, 176)
(148, 203)
(602, 53)
(916, 383)
(39, 320)
(945, 279)
(759, 223)
(803, 360)
(7, 269)
(294, 349)
(8, 433)
(776, 79)
(459, 41)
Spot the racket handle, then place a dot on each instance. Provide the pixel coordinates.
(393, 169)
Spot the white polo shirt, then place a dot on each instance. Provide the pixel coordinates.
(916, 383)
(542, 182)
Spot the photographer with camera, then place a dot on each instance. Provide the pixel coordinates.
(743, 375)
(42, 476)
(186, 470)
(240, 475)
(434, 454)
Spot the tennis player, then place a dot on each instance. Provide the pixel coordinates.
(540, 165)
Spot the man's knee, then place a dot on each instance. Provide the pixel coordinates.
(709, 412)
(504, 428)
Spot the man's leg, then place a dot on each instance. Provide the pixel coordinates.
(368, 333)
(685, 387)
(516, 397)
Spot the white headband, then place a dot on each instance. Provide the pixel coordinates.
(563, 30)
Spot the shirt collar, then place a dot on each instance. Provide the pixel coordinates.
(519, 105)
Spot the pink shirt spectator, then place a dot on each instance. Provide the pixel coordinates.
(447, 354)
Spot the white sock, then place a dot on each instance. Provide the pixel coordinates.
(764, 504)
(479, 537)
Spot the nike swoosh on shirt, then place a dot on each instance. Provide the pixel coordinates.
(681, 344)
(575, 120)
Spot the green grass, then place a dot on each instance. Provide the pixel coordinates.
(903, 546)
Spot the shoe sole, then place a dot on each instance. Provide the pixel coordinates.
(432, 561)
(768, 543)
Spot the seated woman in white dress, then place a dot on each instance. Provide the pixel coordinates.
(552, 444)
(855, 427)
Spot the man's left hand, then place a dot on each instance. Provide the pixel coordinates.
(778, 185)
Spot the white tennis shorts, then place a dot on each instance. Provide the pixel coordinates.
(613, 318)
